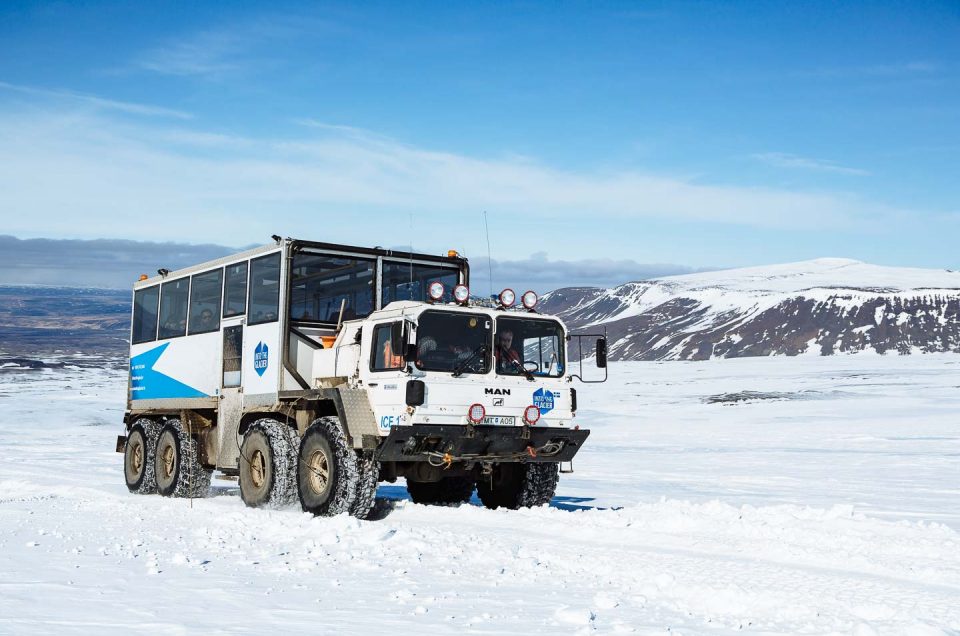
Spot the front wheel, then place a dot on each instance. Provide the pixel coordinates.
(327, 474)
(519, 485)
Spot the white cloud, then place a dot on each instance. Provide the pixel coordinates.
(786, 160)
(87, 175)
(98, 102)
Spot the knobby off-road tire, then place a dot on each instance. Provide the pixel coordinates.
(519, 485)
(268, 465)
(368, 476)
(327, 472)
(449, 490)
(138, 464)
(177, 464)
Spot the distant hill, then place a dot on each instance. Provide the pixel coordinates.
(818, 307)
(43, 320)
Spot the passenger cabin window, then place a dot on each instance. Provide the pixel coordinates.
(383, 357)
(320, 284)
(406, 281)
(235, 290)
(173, 308)
(529, 345)
(205, 302)
(264, 289)
(145, 304)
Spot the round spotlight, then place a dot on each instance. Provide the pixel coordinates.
(529, 299)
(508, 297)
(461, 293)
(476, 413)
(531, 415)
(435, 290)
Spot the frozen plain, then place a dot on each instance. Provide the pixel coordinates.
(777, 495)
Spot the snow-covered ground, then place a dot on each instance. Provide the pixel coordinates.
(794, 495)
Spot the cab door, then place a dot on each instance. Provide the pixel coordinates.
(387, 378)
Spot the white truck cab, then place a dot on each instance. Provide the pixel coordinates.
(314, 371)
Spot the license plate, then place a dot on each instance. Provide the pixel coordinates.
(500, 420)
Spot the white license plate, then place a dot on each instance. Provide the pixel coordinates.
(500, 420)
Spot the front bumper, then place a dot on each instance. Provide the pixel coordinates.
(426, 442)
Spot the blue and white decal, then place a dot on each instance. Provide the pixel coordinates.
(261, 358)
(149, 384)
(386, 421)
(543, 400)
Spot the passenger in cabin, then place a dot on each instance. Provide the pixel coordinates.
(206, 322)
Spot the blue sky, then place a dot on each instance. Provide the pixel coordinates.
(696, 134)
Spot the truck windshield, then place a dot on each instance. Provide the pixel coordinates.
(453, 341)
(525, 345)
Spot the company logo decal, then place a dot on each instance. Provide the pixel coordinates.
(543, 400)
(498, 401)
(489, 391)
(261, 358)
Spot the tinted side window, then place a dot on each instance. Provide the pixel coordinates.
(403, 281)
(383, 358)
(173, 308)
(264, 289)
(205, 302)
(145, 302)
(319, 284)
(235, 290)
(232, 355)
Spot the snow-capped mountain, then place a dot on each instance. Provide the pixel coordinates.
(819, 307)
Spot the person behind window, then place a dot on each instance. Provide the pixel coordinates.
(390, 361)
(206, 321)
(508, 360)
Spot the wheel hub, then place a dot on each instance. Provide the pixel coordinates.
(169, 460)
(319, 471)
(258, 469)
(136, 460)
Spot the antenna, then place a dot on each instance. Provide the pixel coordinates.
(410, 288)
(489, 260)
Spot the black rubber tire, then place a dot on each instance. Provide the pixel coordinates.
(368, 476)
(177, 465)
(138, 465)
(519, 485)
(327, 473)
(268, 465)
(449, 490)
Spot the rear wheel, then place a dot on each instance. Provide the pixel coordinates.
(519, 485)
(327, 473)
(268, 465)
(138, 463)
(449, 490)
(177, 464)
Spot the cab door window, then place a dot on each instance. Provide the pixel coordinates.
(382, 355)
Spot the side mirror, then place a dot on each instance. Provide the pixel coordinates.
(397, 343)
(602, 353)
(416, 392)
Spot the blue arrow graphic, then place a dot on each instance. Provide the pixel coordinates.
(147, 384)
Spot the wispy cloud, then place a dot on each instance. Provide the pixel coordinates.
(222, 51)
(173, 183)
(99, 102)
(787, 160)
(896, 69)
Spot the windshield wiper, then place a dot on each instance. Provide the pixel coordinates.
(463, 365)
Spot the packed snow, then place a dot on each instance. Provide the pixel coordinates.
(787, 495)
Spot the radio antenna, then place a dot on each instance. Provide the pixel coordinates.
(410, 288)
(489, 259)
